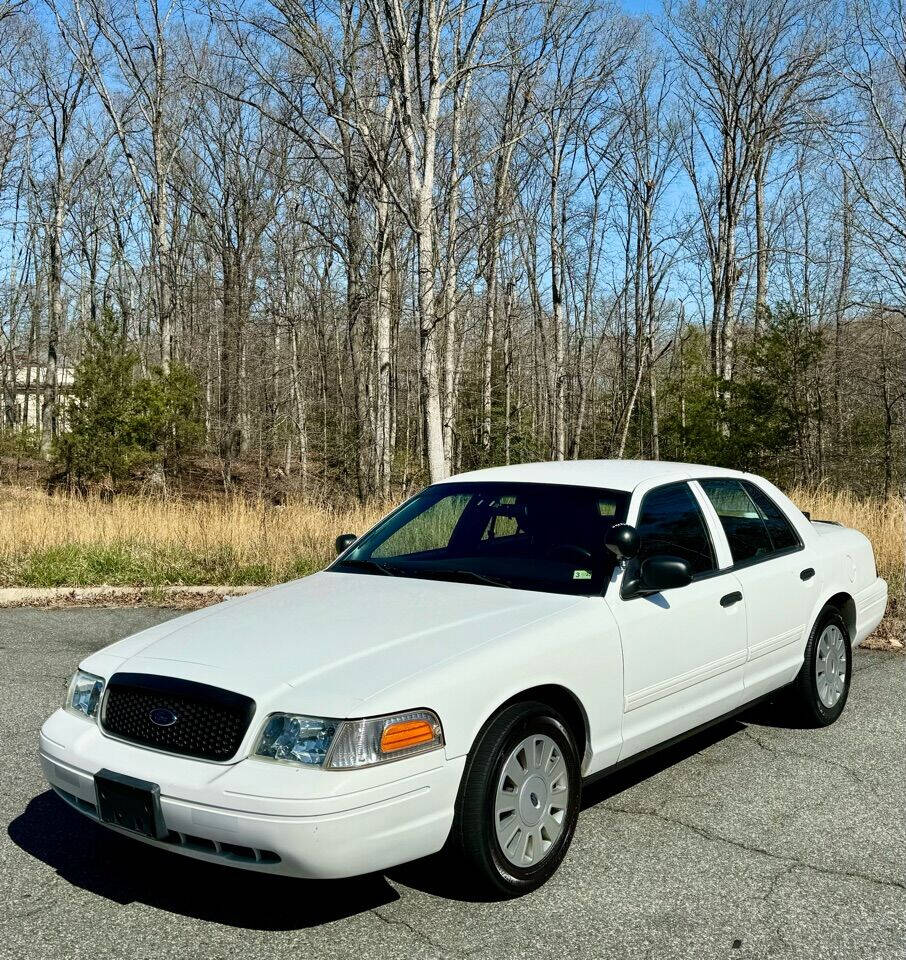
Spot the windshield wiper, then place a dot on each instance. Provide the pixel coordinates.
(371, 565)
(467, 576)
(479, 578)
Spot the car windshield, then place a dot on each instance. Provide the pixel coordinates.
(528, 536)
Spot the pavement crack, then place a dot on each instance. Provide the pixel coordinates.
(755, 848)
(784, 751)
(777, 878)
(422, 937)
(42, 899)
(862, 667)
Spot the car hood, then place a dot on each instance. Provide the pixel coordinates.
(325, 643)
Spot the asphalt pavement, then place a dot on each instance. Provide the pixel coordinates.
(752, 840)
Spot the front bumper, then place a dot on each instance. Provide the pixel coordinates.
(267, 816)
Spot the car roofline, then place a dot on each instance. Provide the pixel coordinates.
(621, 475)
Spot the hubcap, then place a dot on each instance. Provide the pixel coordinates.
(830, 665)
(531, 801)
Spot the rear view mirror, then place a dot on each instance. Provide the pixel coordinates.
(344, 541)
(622, 540)
(664, 573)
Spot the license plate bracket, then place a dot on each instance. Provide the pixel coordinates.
(130, 803)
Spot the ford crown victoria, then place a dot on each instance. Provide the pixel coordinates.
(456, 675)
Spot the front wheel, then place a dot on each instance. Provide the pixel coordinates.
(822, 687)
(519, 800)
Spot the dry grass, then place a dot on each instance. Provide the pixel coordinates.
(61, 541)
(58, 541)
(884, 523)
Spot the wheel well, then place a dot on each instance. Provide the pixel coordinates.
(846, 606)
(566, 703)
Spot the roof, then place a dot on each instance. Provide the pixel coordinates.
(608, 474)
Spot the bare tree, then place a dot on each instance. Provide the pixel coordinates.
(394, 239)
(421, 75)
(129, 53)
(576, 94)
(58, 93)
(754, 73)
(652, 138)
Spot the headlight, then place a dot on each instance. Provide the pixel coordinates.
(296, 739)
(347, 744)
(84, 694)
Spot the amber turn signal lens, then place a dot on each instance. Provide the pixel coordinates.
(409, 733)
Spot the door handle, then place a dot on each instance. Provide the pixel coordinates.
(807, 573)
(728, 599)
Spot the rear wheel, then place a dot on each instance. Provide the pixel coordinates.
(822, 687)
(519, 800)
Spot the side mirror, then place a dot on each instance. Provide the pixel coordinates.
(664, 573)
(344, 541)
(622, 540)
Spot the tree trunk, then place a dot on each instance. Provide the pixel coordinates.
(356, 334)
(558, 219)
(49, 411)
(450, 303)
(627, 415)
(383, 419)
(423, 191)
(507, 373)
(650, 296)
(840, 312)
(162, 268)
(761, 245)
(299, 399)
(230, 435)
(487, 358)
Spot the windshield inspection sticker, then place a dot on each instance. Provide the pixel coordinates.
(581, 574)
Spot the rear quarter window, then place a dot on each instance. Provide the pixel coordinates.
(782, 532)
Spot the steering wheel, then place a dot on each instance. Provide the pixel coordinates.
(567, 552)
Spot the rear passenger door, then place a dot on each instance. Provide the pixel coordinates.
(776, 576)
(683, 649)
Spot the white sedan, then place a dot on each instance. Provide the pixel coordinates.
(461, 670)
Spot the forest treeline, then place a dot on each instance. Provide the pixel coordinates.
(362, 244)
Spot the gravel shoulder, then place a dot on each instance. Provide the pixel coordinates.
(168, 596)
(751, 840)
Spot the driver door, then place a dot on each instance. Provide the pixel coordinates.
(683, 649)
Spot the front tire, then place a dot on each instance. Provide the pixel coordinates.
(519, 800)
(821, 689)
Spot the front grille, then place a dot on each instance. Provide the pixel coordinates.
(209, 722)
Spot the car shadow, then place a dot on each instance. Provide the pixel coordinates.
(778, 713)
(436, 876)
(612, 784)
(128, 871)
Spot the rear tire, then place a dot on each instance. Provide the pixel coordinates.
(820, 691)
(518, 801)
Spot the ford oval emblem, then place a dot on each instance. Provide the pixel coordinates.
(162, 716)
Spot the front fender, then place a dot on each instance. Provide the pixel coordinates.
(577, 649)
